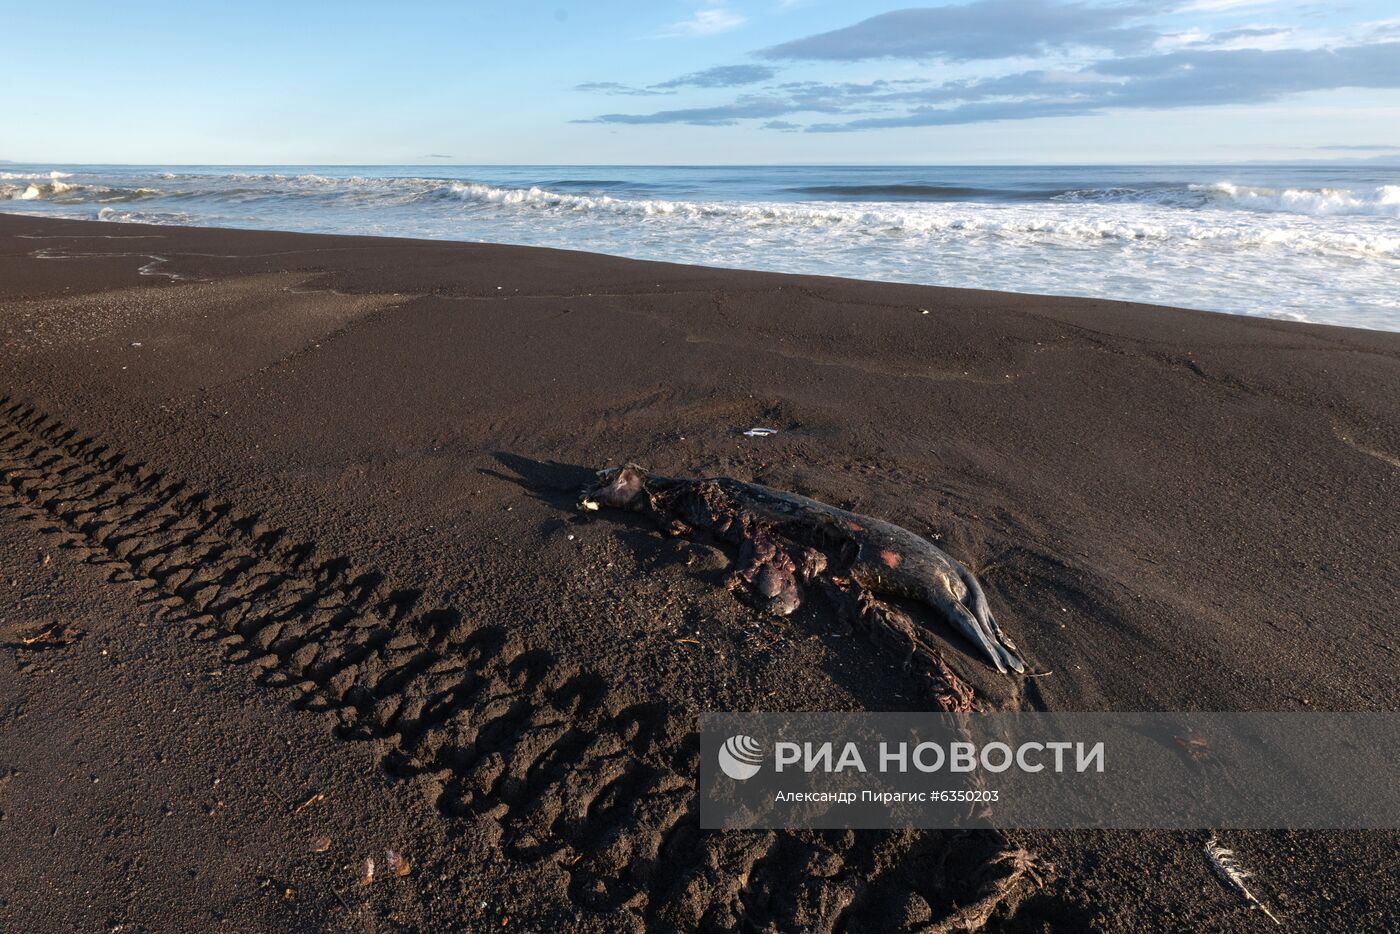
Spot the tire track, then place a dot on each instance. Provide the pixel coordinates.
(542, 759)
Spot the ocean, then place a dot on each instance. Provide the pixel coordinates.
(1298, 242)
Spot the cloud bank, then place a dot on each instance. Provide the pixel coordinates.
(1060, 59)
(724, 76)
(985, 29)
(1177, 79)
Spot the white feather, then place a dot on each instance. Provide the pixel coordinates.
(1227, 868)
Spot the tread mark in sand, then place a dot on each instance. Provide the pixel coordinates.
(546, 760)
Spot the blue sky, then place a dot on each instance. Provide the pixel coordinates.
(701, 81)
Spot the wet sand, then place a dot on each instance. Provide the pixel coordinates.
(313, 496)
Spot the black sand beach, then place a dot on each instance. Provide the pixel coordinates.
(300, 510)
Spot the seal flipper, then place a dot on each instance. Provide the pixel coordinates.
(997, 644)
(971, 627)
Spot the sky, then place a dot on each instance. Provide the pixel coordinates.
(700, 82)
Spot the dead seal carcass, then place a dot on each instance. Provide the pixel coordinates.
(788, 542)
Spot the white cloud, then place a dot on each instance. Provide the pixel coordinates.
(707, 22)
(1176, 40)
(1216, 6)
(980, 30)
(1252, 36)
(1375, 29)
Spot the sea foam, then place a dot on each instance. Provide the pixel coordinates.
(1310, 243)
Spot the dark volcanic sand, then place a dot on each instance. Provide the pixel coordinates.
(351, 566)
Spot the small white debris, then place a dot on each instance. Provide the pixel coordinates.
(760, 432)
(396, 863)
(923, 311)
(136, 343)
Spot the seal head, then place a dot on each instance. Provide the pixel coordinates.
(617, 488)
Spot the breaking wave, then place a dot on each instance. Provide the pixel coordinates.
(119, 215)
(29, 176)
(912, 192)
(937, 218)
(1382, 201)
(71, 193)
